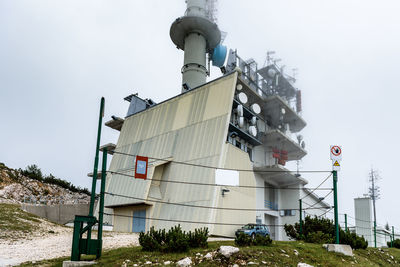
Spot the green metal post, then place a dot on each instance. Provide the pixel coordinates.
(75, 252)
(96, 163)
(375, 233)
(301, 217)
(391, 245)
(96, 159)
(101, 209)
(345, 222)
(336, 206)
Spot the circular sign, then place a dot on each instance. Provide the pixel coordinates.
(336, 151)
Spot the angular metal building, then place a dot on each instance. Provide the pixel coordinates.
(217, 151)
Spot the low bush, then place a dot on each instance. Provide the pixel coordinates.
(175, 240)
(319, 238)
(243, 240)
(396, 243)
(322, 230)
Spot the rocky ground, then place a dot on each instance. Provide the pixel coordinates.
(17, 188)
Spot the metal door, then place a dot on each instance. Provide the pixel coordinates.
(139, 221)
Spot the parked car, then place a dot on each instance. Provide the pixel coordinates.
(253, 229)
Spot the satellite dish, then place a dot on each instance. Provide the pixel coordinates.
(241, 122)
(283, 111)
(239, 87)
(255, 108)
(242, 98)
(271, 73)
(253, 130)
(239, 110)
(218, 56)
(303, 145)
(253, 120)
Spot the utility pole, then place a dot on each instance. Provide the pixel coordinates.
(374, 193)
(345, 222)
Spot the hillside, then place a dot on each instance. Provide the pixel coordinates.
(278, 254)
(30, 186)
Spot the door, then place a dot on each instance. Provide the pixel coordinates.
(139, 221)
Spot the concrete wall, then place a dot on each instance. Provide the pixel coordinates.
(61, 213)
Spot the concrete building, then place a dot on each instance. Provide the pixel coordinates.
(365, 223)
(236, 130)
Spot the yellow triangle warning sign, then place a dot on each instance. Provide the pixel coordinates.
(336, 163)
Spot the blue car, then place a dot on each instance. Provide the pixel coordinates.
(253, 229)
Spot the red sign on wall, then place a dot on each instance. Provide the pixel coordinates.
(141, 167)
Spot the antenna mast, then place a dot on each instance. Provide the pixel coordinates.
(374, 193)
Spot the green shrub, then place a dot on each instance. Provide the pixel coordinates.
(352, 239)
(322, 230)
(243, 240)
(396, 243)
(175, 240)
(260, 240)
(319, 238)
(198, 238)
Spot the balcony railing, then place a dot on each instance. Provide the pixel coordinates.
(270, 205)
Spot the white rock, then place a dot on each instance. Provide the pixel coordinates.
(235, 265)
(184, 262)
(339, 248)
(296, 252)
(148, 262)
(302, 264)
(208, 256)
(167, 262)
(251, 263)
(227, 251)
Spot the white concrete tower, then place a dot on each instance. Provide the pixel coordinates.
(197, 35)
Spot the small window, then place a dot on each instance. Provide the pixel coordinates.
(238, 144)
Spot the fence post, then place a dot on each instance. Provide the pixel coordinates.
(301, 217)
(391, 245)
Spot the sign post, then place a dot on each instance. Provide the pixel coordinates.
(336, 157)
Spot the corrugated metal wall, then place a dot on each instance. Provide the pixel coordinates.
(191, 128)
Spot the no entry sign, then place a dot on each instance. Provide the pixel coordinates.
(336, 153)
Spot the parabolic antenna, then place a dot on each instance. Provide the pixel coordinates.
(242, 98)
(255, 108)
(253, 131)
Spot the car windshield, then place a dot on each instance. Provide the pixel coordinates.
(248, 227)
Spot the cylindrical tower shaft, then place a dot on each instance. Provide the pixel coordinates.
(196, 35)
(194, 71)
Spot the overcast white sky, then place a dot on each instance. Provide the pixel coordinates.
(57, 58)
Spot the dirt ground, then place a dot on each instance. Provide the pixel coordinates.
(55, 243)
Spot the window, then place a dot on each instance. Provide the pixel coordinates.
(238, 144)
(288, 212)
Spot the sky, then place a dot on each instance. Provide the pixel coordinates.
(58, 58)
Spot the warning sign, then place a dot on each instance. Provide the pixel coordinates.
(336, 164)
(336, 153)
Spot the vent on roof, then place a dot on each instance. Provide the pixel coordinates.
(138, 104)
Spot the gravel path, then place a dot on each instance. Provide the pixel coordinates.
(55, 245)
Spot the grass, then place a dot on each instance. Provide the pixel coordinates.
(14, 221)
(278, 254)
